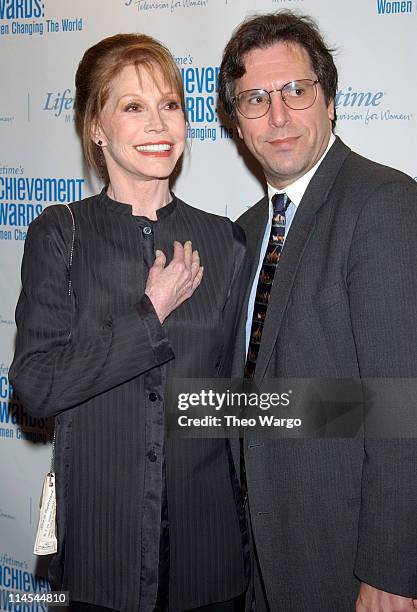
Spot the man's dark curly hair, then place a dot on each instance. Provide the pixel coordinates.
(262, 31)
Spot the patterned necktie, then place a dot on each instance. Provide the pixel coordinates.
(280, 203)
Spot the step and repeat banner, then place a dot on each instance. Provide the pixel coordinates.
(41, 43)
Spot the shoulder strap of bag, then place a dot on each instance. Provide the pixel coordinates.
(71, 251)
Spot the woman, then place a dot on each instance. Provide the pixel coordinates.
(143, 522)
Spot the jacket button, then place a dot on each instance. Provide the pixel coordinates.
(152, 456)
(153, 397)
(147, 230)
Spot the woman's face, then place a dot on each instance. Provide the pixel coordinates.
(142, 128)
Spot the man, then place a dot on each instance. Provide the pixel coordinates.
(333, 295)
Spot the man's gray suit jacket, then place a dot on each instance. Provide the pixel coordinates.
(327, 513)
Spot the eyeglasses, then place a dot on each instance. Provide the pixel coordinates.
(297, 95)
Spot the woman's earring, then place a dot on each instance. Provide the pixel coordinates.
(99, 142)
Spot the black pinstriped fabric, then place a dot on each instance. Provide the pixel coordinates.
(95, 380)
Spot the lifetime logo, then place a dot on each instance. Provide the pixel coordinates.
(59, 102)
(358, 98)
(19, 9)
(387, 7)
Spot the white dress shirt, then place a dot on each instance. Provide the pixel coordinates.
(295, 192)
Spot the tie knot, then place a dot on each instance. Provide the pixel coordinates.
(279, 202)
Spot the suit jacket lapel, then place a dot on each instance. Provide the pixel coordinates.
(254, 240)
(300, 232)
(255, 237)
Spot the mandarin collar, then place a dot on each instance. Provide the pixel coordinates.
(126, 209)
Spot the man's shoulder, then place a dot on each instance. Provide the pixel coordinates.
(253, 213)
(368, 174)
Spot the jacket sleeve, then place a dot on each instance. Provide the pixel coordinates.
(382, 285)
(52, 372)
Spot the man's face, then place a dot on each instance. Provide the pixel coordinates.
(286, 142)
